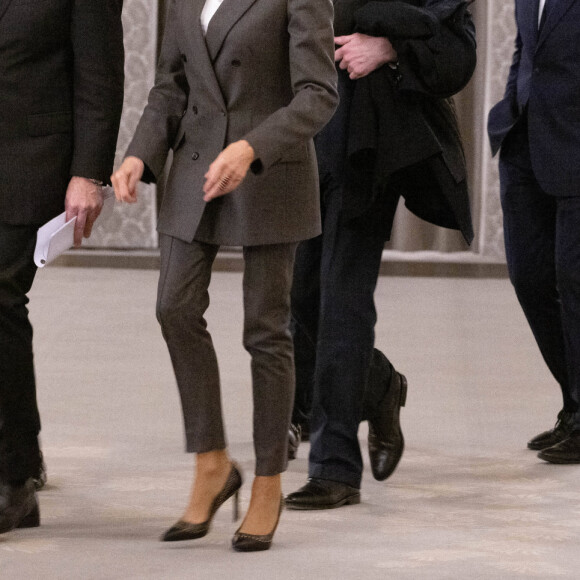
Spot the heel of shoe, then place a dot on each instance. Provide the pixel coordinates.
(236, 506)
(32, 520)
(403, 397)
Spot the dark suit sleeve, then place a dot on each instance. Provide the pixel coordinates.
(167, 102)
(511, 91)
(504, 114)
(442, 65)
(98, 77)
(436, 45)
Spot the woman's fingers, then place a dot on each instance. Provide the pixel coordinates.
(125, 179)
(228, 170)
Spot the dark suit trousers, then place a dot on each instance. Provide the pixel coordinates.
(333, 319)
(542, 240)
(19, 418)
(182, 301)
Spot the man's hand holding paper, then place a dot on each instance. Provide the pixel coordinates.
(84, 200)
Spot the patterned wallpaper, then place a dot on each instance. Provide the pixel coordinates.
(496, 43)
(133, 226)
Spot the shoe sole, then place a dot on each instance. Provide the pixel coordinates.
(351, 500)
(403, 397)
(557, 460)
(536, 447)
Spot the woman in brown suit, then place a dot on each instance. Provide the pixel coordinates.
(242, 86)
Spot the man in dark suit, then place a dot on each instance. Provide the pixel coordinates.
(61, 95)
(537, 127)
(394, 134)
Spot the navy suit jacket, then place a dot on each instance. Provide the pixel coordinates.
(544, 81)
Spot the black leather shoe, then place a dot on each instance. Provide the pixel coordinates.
(18, 507)
(561, 430)
(567, 451)
(386, 441)
(294, 438)
(322, 494)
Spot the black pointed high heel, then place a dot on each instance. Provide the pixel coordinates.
(242, 542)
(183, 530)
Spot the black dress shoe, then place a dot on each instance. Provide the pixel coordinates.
(386, 441)
(567, 451)
(294, 438)
(561, 430)
(322, 494)
(18, 507)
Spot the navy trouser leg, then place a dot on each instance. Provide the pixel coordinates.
(349, 266)
(305, 298)
(19, 418)
(531, 234)
(568, 280)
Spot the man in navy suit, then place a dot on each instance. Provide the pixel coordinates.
(537, 126)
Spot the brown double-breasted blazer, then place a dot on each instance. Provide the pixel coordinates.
(264, 72)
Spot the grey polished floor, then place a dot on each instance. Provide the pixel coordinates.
(467, 501)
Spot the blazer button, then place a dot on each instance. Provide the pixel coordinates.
(194, 109)
(236, 62)
(195, 156)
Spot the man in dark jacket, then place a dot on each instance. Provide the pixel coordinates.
(537, 126)
(394, 134)
(61, 94)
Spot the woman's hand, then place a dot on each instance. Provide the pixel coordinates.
(125, 179)
(228, 170)
(360, 54)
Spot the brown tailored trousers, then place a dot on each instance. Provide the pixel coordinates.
(182, 300)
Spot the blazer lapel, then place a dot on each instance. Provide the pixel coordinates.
(555, 15)
(4, 6)
(191, 19)
(226, 16)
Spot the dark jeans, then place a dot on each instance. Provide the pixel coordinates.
(19, 418)
(334, 315)
(542, 240)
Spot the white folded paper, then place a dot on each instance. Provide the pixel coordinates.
(57, 235)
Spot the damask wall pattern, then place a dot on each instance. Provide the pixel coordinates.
(133, 226)
(496, 42)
